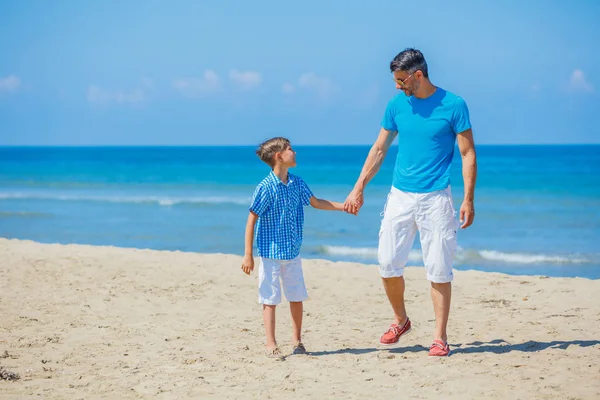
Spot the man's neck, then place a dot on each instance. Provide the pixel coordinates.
(281, 172)
(426, 89)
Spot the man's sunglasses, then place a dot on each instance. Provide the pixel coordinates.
(401, 82)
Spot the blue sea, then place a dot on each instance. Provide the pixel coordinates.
(537, 207)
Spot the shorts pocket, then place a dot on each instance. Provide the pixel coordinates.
(382, 214)
(386, 243)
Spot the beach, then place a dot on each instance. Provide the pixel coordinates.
(93, 322)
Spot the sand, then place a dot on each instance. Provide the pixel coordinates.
(85, 322)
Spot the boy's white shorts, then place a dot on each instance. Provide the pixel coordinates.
(290, 272)
(434, 216)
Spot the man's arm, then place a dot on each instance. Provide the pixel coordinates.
(248, 262)
(322, 204)
(466, 146)
(377, 154)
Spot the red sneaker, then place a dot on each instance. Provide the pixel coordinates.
(394, 333)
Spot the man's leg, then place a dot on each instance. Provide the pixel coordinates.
(396, 237)
(437, 227)
(441, 294)
(394, 288)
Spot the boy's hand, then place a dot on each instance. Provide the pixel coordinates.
(354, 202)
(248, 264)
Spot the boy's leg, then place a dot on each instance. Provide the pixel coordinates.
(296, 309)
(269, 321)
(269, 295)
(294, 288)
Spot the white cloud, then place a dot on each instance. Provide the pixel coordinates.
(321, 86)
(245, 79)
(578, 82)
(148, 83)
(10, 83)
(99, 96)
(197, 87)
(288, 88)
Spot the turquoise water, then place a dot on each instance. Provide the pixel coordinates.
(537, 207)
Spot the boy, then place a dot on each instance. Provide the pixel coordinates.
(277, 206)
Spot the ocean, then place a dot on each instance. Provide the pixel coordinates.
(537, 207)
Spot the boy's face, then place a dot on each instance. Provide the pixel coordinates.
(287, 157)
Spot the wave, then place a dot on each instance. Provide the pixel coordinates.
(160, 200)
(23, 214)
(362, 252)
(463, 256)
(524, 258)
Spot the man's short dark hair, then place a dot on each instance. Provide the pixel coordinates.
(410, 60)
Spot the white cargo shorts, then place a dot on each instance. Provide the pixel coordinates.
(270, 272)
(434, 216)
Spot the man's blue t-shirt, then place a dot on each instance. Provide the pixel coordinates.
(427, 130)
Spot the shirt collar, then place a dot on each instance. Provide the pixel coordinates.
(275, 179)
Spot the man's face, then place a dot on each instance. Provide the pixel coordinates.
(407, 82)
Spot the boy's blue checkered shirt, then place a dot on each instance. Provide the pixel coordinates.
(280, 210)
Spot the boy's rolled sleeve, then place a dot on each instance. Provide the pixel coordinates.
(260, 201)
(305, 193)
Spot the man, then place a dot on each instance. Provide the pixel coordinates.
(428, 122)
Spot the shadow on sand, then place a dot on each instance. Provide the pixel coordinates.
(498, 346)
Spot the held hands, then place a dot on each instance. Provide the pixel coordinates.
(248, 264)
(354, 202)
(467, 213)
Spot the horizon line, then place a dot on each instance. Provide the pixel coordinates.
(251, 145)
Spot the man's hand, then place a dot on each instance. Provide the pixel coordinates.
(377, 153)
(354, 202)
(467, 213)
(469, 170)
(248, 264)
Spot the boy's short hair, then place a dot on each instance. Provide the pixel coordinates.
(267, 149)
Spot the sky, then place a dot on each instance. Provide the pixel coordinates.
(223, 72)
